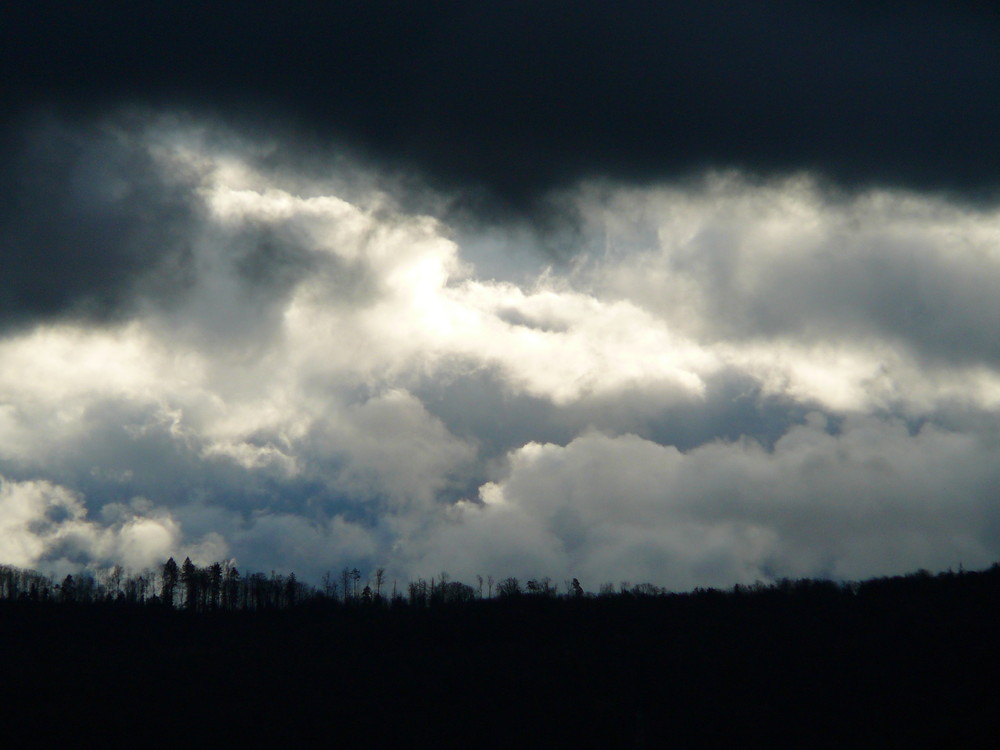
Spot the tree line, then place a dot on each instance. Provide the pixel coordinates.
(221, 586)
(901, 661)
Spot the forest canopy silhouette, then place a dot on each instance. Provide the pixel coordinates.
(905, 660)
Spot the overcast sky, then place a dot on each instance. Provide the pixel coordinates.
(688, 293)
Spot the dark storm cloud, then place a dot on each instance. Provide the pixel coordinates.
(86, 224)
(98, 226)
(510, 99)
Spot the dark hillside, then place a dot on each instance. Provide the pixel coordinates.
(903, 662)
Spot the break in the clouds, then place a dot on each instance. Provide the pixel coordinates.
(729, 379)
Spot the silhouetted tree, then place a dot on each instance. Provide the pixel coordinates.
(170, 576)
(509, 587)
(7, 582)
(345, 582)
(418, 593)
(541, 587)
(67, 591)
(230, 587)
(113, 582)
(456, 592)
(439, 593)
(257, 589)
(134, 588)
(646, 589)
(189, 578)
(86, 588)
(213, 589)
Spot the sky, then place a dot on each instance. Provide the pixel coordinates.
(683, 293)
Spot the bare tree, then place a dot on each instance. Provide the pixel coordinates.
(230, 586)
(345, 581)
(329, 585)
(509, 587)
(418, 592)
(113, 581)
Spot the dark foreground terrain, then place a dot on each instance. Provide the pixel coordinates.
(904, 662)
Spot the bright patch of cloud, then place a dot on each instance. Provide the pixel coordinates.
(43, 524)
(854, 301)
(871, 499)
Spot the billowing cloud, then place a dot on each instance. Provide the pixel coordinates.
(46, 523)
(871, 498)
(717, 379)
(789, 260)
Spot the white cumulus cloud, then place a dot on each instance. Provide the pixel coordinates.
(331, 379)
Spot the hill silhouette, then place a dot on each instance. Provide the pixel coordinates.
(908, 661)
